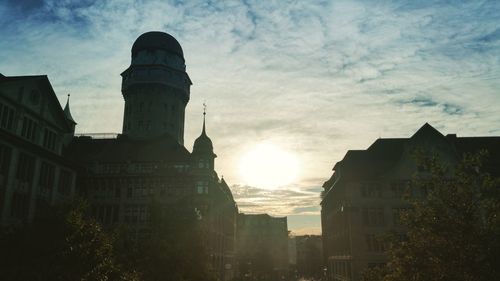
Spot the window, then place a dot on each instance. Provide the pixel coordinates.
(29, 129)
(371, 190)
(106, 214)
(5, 156)
(374, 244)
(203, 163)
(46, 180)
(6, 117)
(135, 213)
(64, 186)
(202, 187)
(49, 139)
(25, 168)
(373, 216)
(399, 188)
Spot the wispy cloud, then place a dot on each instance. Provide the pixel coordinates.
(317, 77)
(277, 202)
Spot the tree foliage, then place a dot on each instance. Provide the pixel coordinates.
(64, 244)
(454, 232)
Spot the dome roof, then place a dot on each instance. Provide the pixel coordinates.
(157, 40)
(203, 144)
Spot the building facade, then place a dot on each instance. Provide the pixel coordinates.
(34, 130)
(262, 246)
(363, 198)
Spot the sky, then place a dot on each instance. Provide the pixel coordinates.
(314, 78)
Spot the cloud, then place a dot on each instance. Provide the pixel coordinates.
(312, 230)
(277, 202)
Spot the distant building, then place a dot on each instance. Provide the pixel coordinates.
(34, 130)
(363, 198)
(309, 253)
(262, 246)
(292, 251)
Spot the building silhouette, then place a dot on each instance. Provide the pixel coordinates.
(362, 200)
(309, 259)
(34, 130)
(124, 177)
(262, 246)
(148, 164)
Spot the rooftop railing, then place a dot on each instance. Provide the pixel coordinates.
(99, 135)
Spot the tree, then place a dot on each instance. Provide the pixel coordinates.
(454, 232)
(63, 244)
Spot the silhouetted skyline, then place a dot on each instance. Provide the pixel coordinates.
(313, 79)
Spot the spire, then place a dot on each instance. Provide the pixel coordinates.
(203, 144)
(67, 112)
(204, 115)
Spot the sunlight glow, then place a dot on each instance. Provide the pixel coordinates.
(268, 166)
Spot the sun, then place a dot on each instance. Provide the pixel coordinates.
(268, 166)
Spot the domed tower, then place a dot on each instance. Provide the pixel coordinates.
(156, 88)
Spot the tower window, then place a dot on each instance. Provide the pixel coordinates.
(202, 187)
(203, 163)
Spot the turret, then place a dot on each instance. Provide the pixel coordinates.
(71, 122)
(203, 151)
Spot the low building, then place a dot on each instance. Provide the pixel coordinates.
(34, 129)
(262, 246)
(363, 198)
(309, 253)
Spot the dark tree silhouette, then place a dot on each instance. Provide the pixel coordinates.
(63, 244)
(453, 233)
